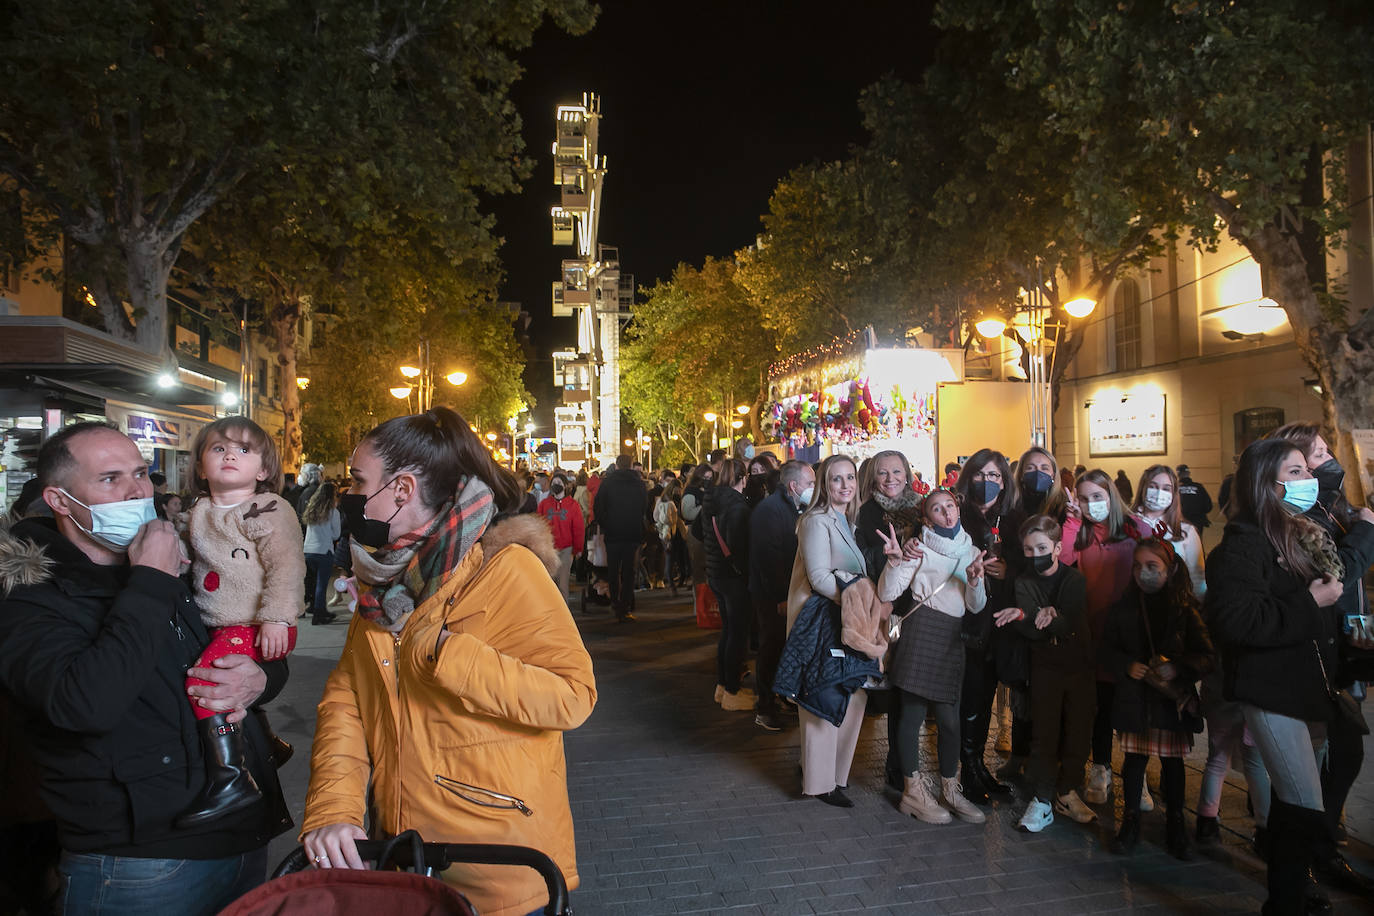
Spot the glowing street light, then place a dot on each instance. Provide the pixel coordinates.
(1080, 307)
(741, 408)
(456, 378)
(424, 376)
(400, 392)
(991, 326)
(736, 424)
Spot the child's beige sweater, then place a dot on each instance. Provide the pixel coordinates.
(249, 565)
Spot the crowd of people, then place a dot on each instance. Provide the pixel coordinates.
(1076, 603)
(1075, 610)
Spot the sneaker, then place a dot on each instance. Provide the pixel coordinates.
(1037, 817)
(1099, 782)
(742, 700)
(768, 721)
(1146, 802)
(1072, 807)
(720, 692)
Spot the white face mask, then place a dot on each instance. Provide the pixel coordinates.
(1097, 509)
(113, 525)
(807, 495)
(1157, 500)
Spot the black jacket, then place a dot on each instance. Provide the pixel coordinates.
(773, 546)
(810, 673)
(1273, 639)
(1178, 634)
(725, 510)
(1194, 502)
(96, 658)
(1354, 541)
(980, 633)
(1067, 643)
(620, 507)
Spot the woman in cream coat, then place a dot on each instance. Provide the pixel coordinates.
(826, 548)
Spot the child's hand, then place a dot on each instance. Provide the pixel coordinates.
(1007, 615)
(892, 547)
(1045, 617)
(1137, 670)
(975, 569)
(273, 640)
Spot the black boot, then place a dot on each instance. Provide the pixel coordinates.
(1128, 837)
(281, 750)
(975, 790)
(989, 781)
(1208, 830)
(1176, 836)
(229, 786)
(1334, 870)
(1292, 832)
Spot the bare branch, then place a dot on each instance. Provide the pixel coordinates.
(386, 52)
(163, 202)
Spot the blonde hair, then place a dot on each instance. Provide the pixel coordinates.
(821, 501)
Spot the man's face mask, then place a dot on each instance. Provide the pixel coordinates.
(113, 525)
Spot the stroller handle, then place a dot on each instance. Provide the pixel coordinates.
(439, 856)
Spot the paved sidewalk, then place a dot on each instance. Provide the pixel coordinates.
(683, 808)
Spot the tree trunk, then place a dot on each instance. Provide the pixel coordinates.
(1342, 357)
(285, 321)
(147, 267)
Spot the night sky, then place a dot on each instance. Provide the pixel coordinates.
(705, 106)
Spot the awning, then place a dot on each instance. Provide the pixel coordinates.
(90, 393)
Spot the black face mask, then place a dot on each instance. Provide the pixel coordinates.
(1330, 475)
(557, 489)
(1042, 564)
(984, 491)
(369, 532)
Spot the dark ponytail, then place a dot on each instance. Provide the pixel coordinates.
(439, 448)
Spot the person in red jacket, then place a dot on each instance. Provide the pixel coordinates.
(564, 516)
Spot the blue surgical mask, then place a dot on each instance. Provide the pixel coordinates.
(984, 491)
(748, 452)
(113, 525)
(1300, 494)
(951, 532)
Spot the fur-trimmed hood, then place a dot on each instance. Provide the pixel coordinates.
(22, 561)
(529, 531)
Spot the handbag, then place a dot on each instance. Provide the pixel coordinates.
(1184, 695)
(1346, 708)
(894, 623)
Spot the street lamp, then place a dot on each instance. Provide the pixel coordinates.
(424, 384)
(711, 418)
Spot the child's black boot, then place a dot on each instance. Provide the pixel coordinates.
(229, 786)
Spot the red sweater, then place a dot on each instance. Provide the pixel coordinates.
(1105, 566)
(564, 516)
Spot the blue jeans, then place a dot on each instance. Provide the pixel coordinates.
(1290, 756)
(121, 886)
(320, 565)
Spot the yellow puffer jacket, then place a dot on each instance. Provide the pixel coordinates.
(486, 710)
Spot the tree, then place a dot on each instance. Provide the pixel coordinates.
(124, 122)
(1216, 115)
(686, 353)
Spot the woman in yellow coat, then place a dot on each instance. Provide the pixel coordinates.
(462, 669)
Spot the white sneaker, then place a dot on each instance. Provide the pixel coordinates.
(1071, 806)
(1037, 817)
(1099, 782)
(743, 700)
(1146, 802)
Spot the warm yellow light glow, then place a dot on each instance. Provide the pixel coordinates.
(456, 378)
(400, 392)
(741, 408)
(491, 437)
(672, 436)
(1081, 307)
(629, 442)
(302, 382)
(991, 326)
(1028, 329)
(709, 417)
(1259, 316)
(409, 371)
(529, 428)
(736, 424)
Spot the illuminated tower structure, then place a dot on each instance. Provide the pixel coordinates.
(592, 289)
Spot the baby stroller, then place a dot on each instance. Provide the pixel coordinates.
(379, 892)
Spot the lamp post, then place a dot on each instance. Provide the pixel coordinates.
(1036, 318)
(423, 388)
(711, 418)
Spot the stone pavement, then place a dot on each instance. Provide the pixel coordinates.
(681, 807)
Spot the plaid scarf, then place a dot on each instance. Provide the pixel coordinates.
(395, 579)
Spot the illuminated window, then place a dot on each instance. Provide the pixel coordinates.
(1127, 306)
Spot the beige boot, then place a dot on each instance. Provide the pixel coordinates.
(962, 807)
(920, 804)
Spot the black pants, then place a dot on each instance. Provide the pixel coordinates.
(913, 716)
(975, 701)
(1102, 724)
(772, 624)
(736, 614)
(1344, 758)
(1061, 729)
(620, 575)
(1170, 779)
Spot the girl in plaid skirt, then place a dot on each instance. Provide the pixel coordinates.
(1157, 647)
